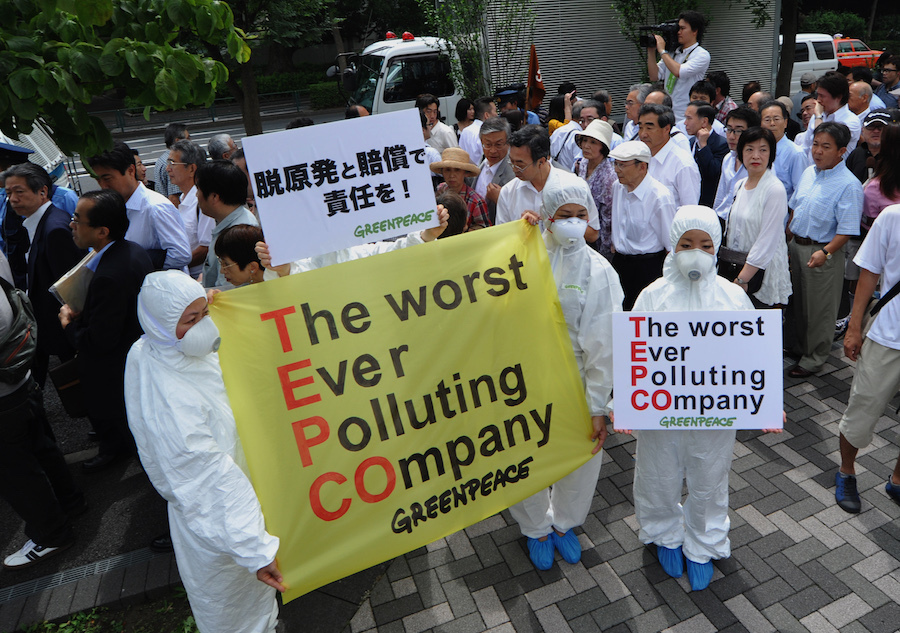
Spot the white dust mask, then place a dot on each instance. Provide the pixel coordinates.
(201, 339)
(568, 231)
(695, 264)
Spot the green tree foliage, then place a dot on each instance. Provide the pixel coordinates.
(59, 54)
(371, 19)
(288, 23)
(831, 22)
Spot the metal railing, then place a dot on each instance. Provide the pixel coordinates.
(225, 108)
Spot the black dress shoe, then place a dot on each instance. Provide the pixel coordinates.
(161, 544)
(93, 437)
(100, 462)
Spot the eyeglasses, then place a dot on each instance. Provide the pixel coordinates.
(734, 130)
(889, 70)
(223, 265)
(84, 222)
(630, 102)
(518, 169)
(773, 119)
(500, 145)
(622, 164)
(169, 161)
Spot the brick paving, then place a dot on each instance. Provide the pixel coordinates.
(798, 563)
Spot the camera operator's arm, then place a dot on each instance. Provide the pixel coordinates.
(673, 66)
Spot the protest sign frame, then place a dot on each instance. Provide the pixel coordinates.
(698, 370)
(326, 187)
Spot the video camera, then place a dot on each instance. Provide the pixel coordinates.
(668, 30)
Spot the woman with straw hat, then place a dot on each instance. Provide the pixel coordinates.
(455, 165)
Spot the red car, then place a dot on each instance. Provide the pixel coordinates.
(851, 52)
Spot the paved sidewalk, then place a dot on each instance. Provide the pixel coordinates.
(798, 562)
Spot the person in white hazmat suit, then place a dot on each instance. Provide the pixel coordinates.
(589, 292)
(698, 529)
(186, 437)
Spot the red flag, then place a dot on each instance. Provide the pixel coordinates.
(536, 89)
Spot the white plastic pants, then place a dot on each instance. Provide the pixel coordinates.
(664, 460)
(223, 595)
(563, 506)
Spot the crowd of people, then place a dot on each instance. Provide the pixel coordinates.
(694, 203)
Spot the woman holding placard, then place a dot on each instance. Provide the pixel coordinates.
(754, 255)
(698, 529)
(589, 292)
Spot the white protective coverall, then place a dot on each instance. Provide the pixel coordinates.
(703, 458)
(186, 437)
(589, 292)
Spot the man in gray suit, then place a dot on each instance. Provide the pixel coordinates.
(495, 168)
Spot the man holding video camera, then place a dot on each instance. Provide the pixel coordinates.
(688, 65)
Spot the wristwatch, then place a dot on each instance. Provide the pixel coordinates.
(827, 254)
(740, 282)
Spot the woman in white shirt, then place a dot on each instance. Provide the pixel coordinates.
(754, 255)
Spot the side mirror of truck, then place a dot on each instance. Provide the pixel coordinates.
(349, 80)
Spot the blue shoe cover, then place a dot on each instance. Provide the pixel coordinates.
(699, 574)
(541, 553)
(672, 560)
(567, 545)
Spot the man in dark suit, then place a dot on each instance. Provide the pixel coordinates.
(51, 254)
(709, 149)
(495, 169)
(107, 326)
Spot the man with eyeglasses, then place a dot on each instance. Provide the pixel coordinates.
(563, 144)
(790, 160)
(154, 222)
(643, 210)
(185, 158)
(495, 169)
(889, 90)
(738, 121)
(221, 194)
(470, 137)
(107, 325)
(633, 102)
(529, 157)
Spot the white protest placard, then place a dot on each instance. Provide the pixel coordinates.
(698, 370)
(326, 187)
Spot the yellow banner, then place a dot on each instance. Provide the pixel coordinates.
(387, 402)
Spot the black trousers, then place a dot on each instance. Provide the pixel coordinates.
(636, 272)
(34, 477)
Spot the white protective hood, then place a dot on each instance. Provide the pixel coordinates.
(589, 292)
(185, 432)
(675, 292)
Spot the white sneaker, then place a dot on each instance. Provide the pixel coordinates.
(30, 554)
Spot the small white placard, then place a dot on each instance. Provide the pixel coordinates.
(698, 370)
(326, 187)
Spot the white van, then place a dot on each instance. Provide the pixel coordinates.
(815, 52)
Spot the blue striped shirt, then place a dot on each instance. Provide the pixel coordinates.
(827, 203)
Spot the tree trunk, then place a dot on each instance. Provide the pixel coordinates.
(871, 20)
(789, 22)
(250, 101)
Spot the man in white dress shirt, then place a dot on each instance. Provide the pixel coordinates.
(670, 165)
(185, 158)
(833, 93)
(643, 210)
(529, 156)
(469, 138)
(688, 65)
(442, 135)
(633, 102)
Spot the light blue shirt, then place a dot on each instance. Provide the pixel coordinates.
(95, 260)
(727, 180)
(155, 224)
(827, 203)
(790, 163)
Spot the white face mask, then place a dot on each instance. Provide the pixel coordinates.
(568, 231)
(201, 339)
(695, 264)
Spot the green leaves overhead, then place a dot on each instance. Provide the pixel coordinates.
(58, 55)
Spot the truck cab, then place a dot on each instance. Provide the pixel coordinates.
(389, 75)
